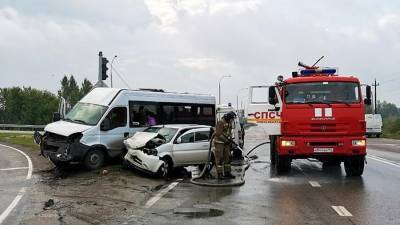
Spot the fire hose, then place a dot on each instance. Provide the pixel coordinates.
(208, 165)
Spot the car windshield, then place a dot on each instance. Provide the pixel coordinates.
(86, 113)
(322, 92)
(167, 133)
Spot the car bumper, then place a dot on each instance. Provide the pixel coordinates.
(63, 151)
(321, 146)
(143, 161)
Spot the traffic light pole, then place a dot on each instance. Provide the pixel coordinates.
(100, 82)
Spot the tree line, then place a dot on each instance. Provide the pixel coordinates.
(28, 105)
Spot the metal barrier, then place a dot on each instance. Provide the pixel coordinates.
(21, 127)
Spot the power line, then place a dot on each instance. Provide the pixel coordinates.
(120, 77)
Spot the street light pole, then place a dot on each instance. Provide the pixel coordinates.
(219, 88)
(112, 70)
(237, 97)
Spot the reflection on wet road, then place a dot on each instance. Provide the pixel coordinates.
(310, 194)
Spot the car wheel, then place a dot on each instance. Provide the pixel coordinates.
(94, 159)
(165, 169)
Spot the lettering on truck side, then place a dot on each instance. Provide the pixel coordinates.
(265, 117)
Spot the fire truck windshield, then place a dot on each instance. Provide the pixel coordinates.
(322, 92)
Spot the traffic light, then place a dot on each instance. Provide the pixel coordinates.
(104, 68)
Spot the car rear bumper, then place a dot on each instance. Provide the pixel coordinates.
(143, 161)
(306, 147)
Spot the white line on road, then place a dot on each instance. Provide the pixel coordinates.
(30, 169)
(342, 211)
(21, 193)
(14, 168)
(160, 194)
(382, 160)
(314, 184)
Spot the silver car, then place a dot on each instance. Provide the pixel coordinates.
(158, 149)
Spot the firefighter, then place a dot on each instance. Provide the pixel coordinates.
(222, 143)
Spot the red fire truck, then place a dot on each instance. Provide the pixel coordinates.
(315, 114)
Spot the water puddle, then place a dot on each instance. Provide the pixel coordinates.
(198, 212)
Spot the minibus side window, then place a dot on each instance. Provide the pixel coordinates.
(144, 114)
(115, 118)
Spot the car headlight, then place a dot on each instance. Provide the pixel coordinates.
(358, 142)
(285, 143)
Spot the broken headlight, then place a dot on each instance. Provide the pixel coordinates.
(150, 151)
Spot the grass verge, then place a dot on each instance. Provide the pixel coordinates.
(25, 140)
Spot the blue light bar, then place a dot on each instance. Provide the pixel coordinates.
(308, 72)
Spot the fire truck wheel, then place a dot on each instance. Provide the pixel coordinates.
(272, 150)
(354, 166)
(283, 164)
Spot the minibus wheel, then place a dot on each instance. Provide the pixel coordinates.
(94, 159)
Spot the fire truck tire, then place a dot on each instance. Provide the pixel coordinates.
(354, 166)
(283, 164)
(272, 150)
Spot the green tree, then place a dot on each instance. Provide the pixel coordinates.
(85, 87)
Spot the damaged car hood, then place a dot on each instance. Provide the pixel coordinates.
(65, 128)
(139, 140)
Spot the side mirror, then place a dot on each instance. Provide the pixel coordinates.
(179, 140)
(368, 94)
(106, 124)
(272, 95)
(367, 101)
(56, 116)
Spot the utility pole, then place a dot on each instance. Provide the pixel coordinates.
(375, 85)
(219, 87)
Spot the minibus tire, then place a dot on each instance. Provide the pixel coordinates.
(94, 159)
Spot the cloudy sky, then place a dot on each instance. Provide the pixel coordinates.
(187, 45)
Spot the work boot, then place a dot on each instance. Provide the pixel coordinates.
(220, 176)
(228, 175)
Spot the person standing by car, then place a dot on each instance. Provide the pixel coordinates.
(222, 143)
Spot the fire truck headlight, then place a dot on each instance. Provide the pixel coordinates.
(285, 143)
(358, 143)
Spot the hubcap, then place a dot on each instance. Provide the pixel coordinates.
(94, 158)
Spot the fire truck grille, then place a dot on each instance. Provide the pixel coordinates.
(316, 144)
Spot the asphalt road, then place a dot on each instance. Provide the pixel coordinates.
(15, 173)
(308, 195)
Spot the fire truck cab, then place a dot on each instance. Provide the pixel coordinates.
(315, 114)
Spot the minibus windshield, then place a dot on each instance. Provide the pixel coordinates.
(86, 113)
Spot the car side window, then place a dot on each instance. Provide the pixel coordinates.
(202, 136)
(187, 138)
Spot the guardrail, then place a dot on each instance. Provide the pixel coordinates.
(21, 127)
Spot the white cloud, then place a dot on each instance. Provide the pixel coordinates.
(204, 63)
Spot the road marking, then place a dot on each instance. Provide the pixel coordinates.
(314, 184)
(21, 192)
(342, 211)
(160, 194)
(30, 167)
(382, 160)
(15, 168)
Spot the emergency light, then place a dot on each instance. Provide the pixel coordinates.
(308, 72)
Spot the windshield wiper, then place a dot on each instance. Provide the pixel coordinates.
(317, 102)
(340, 102)
(79, 121)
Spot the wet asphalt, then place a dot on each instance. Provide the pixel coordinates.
(308, 195)
(266, 198)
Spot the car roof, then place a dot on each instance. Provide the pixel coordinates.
(183, 126)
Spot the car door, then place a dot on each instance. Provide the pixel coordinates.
(188, 151)
(202, 145)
